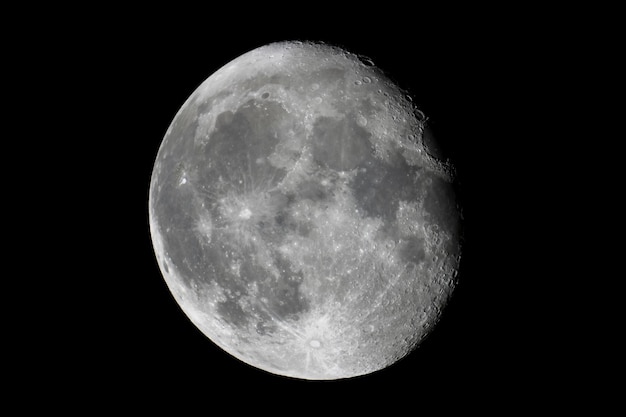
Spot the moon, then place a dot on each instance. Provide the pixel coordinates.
(300, 216)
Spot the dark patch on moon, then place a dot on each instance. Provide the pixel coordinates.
(265, 326)
(312, 190)
(340, 144)
(431, 145)
(234, 287)
(411, 249)
(328, 76)
(379, 187)
(239, 140)
(268, 211)
(440, 205)
(286, 222)
(441, 208)
(187, 253)
(232, 312)
(283, 292)
(246, 134)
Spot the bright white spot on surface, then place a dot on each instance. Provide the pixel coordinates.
(315, 343)
(245, 214)
(183, 180)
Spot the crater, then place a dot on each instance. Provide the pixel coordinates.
(314, 343)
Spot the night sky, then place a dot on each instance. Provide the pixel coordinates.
(125, 331)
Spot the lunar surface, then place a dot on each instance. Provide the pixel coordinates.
(299, 216)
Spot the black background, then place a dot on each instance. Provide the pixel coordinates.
(117, 82)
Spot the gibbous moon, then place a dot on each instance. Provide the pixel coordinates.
(299, 218)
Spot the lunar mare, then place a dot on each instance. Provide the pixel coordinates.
(298, 217)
